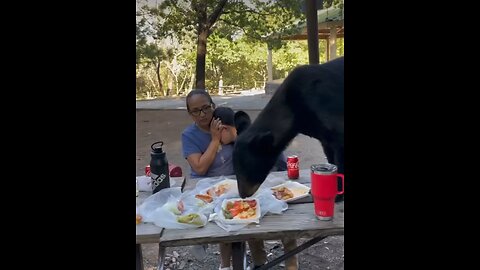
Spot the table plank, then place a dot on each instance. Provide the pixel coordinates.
(297, 222)
(148, 233)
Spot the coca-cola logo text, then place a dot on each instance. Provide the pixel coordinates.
(292, 165)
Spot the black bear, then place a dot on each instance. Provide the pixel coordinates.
(309, 101)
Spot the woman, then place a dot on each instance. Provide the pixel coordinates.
(201, 143)
(208, 146)
(201, 140)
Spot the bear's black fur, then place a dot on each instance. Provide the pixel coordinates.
(309, 101)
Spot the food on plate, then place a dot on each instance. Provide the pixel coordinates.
(291, 190)
(282, 193)
(221, 189)
(213, 192)
(139, 219)
(193, 219)
(218, 190)
(176, 208)
(204, 197)
(180, 206)
(240, 209)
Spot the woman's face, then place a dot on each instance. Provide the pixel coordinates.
(201, 110)
(229, 134)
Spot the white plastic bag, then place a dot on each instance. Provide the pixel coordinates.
(157, 200)
(161, 209)
(191, 202)
(194, 204)
(273, 180)
(162, 217)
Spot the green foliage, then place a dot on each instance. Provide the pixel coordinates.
(295, 53)
(334, 3)
(240, 62)
(264, 20)
(237, 44)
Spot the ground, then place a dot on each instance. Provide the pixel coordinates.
(164, 120)
(326, 254)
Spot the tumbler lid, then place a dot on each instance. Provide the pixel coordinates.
(323, 168)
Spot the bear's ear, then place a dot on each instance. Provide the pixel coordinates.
(242, 121)
(262, 142)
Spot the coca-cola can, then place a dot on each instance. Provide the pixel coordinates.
(147, 170)
(292, 167)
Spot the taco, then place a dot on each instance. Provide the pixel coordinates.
(204, 197)
(282, 193)
(193, 219)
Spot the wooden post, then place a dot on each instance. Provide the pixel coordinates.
(332, 40)
(220, 85)
(269, 65)
(238, 256)
(139, 258)
(327, 51)
(312, 31)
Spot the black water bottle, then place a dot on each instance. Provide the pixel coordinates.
(159, 168)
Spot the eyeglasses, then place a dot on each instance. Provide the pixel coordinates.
(205, 109)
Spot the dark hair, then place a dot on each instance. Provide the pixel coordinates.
(242, 121)
(226, 115)
(198, 92)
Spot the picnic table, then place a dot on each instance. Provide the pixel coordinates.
(298, 221)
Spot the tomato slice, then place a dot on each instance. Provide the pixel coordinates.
(235, 211)
(237, 204)
(252, 203)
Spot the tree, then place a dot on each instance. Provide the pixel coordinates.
(178, 17)
(240, 62)
(335, 3)
(267, 21)
(152, 54)
(168, 44)
(258, 19)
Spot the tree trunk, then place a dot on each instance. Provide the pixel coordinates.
(201, 56)
(269, 64)
(204, 25)
(192, 81)
(165, 91)
(153, 84)
(183, 83)
(157, 70)
(170, 85)
(170, 82)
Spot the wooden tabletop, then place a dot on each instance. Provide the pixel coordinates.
(149, 233)
(298, 221)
